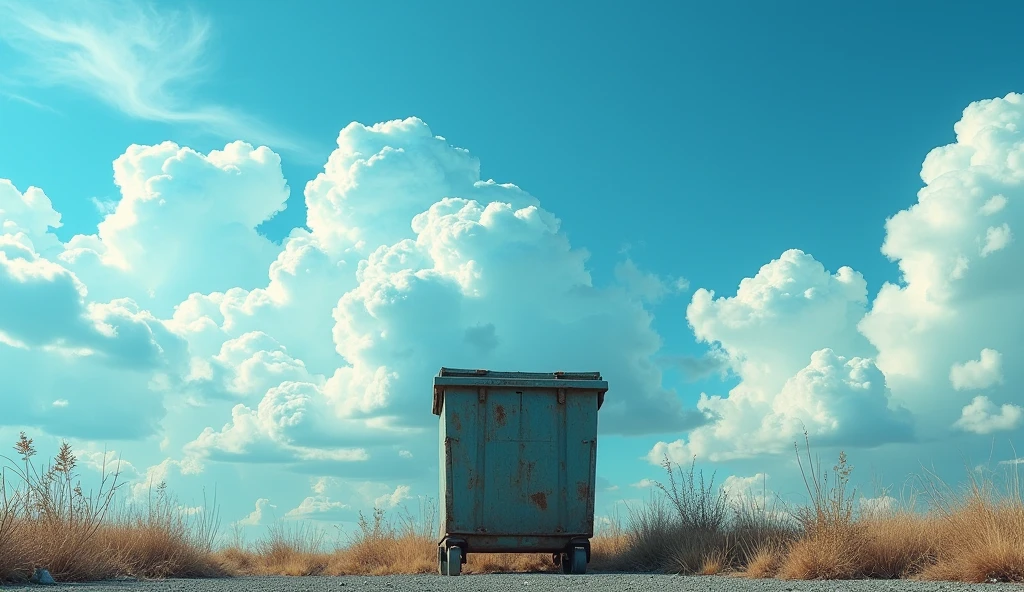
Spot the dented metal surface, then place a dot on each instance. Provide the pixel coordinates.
(519, 458)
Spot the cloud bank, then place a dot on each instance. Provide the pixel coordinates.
(814, 353)
(313, 353)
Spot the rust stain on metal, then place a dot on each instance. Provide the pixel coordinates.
(582, 491)
(499, 415)
(449, 503)
(540, 499)
(524, 470)
(456, 421)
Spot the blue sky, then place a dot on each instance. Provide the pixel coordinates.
(681, 147)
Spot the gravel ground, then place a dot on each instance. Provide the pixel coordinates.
(524, 582)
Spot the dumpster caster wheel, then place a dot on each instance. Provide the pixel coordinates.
(556, 558)
(454, 561)
(442, 561)
(573, 562)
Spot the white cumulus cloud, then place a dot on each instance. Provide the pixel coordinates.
(954, 298)
(321, 507)
(108, 463)
(978, 374)
(982, 416)
(877, 507)
(401, 223)
(785, 333)
(185, 223)
(258, 516)
(996, 239)
(166, 471)
(51, 325)
(393, 499)
(741, 488)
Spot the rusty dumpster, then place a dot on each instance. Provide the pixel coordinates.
(518, 453)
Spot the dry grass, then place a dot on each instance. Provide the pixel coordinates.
(979, 531)
(895, 546)
(48, 520)
(830, 544)
(765, 561)
(608, 548)
(714, 563)
(405, 545)
(975, 534)
(382, 546)
(821, 556)
(690, 526)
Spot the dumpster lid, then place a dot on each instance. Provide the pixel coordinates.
(559, 375)
(484, 378)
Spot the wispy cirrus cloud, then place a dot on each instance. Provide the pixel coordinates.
(144, 61)
(13, 96)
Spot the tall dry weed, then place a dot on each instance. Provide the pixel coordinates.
(9, 503)
(701, 512)
(830, 543)
(47, 519)
(691, 526)
(761, 527)
(651, 534)
(54, 518)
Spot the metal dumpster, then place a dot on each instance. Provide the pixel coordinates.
(518, 453)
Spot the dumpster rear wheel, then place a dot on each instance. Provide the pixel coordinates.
(574, 561)
(442, 560)
(454, 561)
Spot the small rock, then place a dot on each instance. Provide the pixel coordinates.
(41, 576)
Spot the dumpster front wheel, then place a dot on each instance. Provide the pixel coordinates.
(454, 561)
(574, 561)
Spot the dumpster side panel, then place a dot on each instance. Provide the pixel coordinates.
(464, 462)
(522, 470)
(579, 473)
(444, 475)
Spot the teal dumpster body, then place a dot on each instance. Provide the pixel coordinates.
(518, 453)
